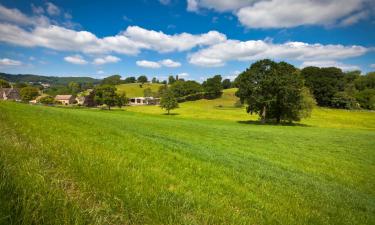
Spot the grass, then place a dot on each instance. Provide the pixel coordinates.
(135, 90)
(82, 166)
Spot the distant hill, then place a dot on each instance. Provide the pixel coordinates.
(135, 90)
(26, 78)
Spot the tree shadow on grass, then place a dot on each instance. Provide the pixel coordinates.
(257, 122)
(170, 114)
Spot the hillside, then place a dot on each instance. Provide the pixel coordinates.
(26, 78)
(134, 89)
(121, 167)
(224, 109)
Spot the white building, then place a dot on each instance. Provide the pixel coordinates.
(144, 101)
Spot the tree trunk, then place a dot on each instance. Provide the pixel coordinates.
(278, 119)
(109, 107)
(168, 111)
(264, 114)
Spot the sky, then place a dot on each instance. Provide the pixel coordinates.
(194, 39)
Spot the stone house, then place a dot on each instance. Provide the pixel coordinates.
(10, 94)
(65, 99)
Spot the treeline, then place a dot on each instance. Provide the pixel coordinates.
(30, 78)
(332, 87)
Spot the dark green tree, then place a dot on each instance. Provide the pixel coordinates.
(226, 84)
(4, 84)
(112, 80)
(74, 87)
(154, 80)
(213, 87)
(183, 88)
(168, 101)
(142, 79)
(122, 100)
(106, 94)
(273, 90)
(20, 85)
(148, 92)
(366, 98)
(29, 93)
(129, 80)
(324, 83)
(47, 100)
(171, 80)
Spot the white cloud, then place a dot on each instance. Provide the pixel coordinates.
(165, 2)
(372, 65)
(76, 59)
(343, 66)
(14, 16)
(52, 9)
(148, 64)
(9, 62)
(106, 59)
(219, 54)
(100, 72)
(288, 13)
(183, 75)
(170, 63)
(37, 9)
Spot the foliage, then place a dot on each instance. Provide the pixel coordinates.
(366, 98)
(134, 90)
(213, 87)
(168, 101)
(182, 88)
(112, 80)
(29, 93)
(27, 78)
(171, 80)
(324, 83)
(142, 79)
(47, 100)
(226, 84)
(121, 100)
(365, 82)
(154, 80)
(106, 94)
(272, 90)
(147, 92)
(4, 84)
(20, 85)
(129, 80)
(342, 100)
(74, 88)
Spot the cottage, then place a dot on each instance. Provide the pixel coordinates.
(10, 94)
(144, 101)
(65, 99)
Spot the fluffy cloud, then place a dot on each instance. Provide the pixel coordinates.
(9, 62)
(155, 65)
(372, 65)
(165, 2)
(343, 66)
(106, 59)
(288, 13)
(170, 63)
(76, 59)
(219, 54)
(148, 64)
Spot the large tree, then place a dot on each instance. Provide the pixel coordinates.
(213, 87)
(29, 93)
(324, 83)
(4, 84)
(168, 101)
(274, 91)
(112, 80)
(182, 88)
(142, 79)
(226, 84)
(106, 94)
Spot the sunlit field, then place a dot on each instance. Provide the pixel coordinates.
(89, 166)
(135, 90)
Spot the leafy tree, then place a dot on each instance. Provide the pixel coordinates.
(47, 100)
(29, 93)
(129, 80)
(154, 80)
(324, 83)
(226, 84)
(182, 88)
(162, 89)
(213, 87)
(366, 98)
(122, 100)
(106, 94)
(343, 100)
(4, 84)
(365, 82)
(20, 85)
(171, 80)
(142, 79)
(112, 80)
(147, 92)
(168, 101)
(273, 90)
(74, 87)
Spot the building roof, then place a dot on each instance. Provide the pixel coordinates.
(63, 97)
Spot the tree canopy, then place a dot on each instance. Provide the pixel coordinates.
(29, 93)
(274, 91)
(112, 80)
(142, 79)
(168, 101)
(4, 84)
(106, 94)
(213, 87)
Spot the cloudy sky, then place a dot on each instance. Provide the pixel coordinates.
(193, 38)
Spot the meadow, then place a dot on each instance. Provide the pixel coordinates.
(135, 89)
(205, 164)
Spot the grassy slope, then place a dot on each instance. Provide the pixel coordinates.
(223, 109)
(65, 166)
(134, 90)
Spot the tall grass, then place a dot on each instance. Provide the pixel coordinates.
(70, 166)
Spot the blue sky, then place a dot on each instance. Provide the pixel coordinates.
(193, 38)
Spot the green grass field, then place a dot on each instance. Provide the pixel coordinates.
(134, 89)
(203, 165)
